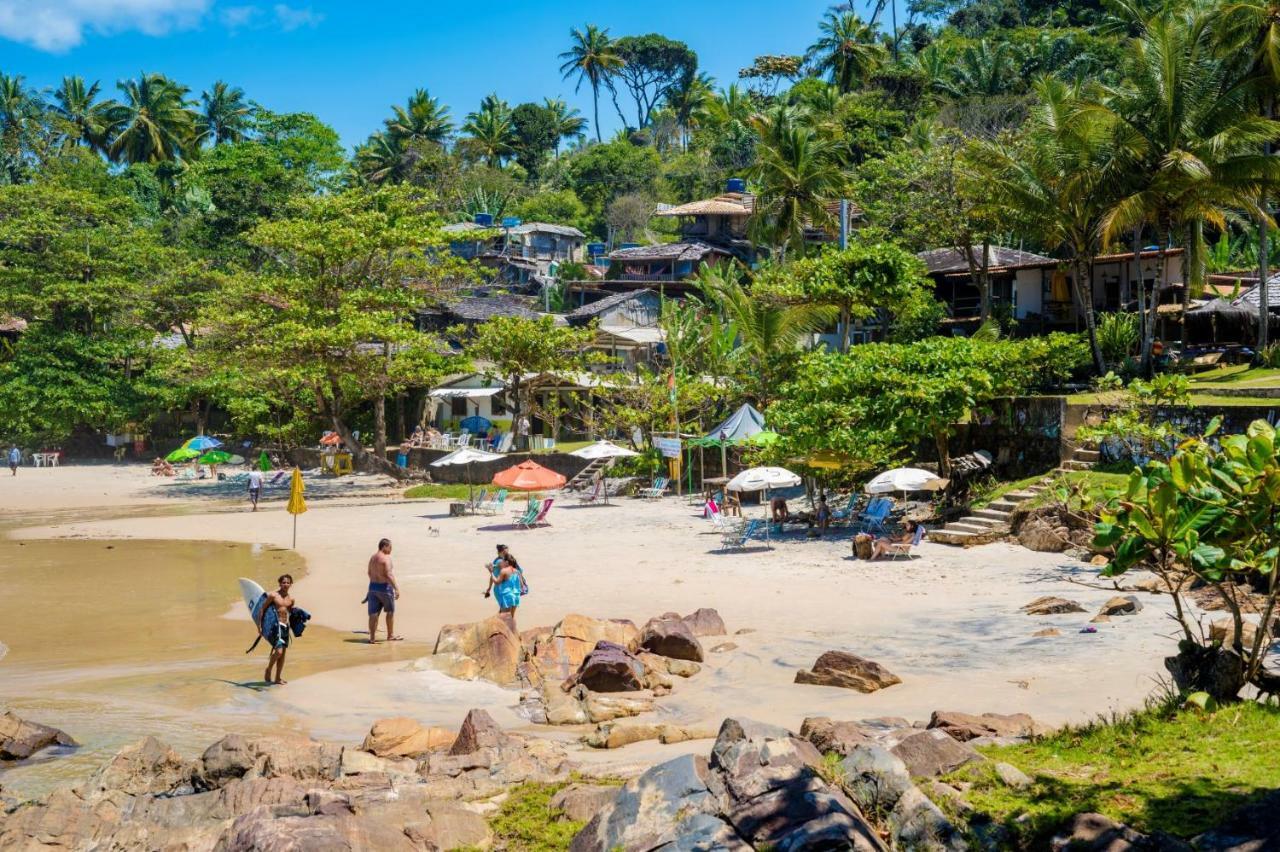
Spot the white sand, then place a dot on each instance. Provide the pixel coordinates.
(947, 622)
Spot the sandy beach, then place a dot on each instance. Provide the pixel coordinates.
(946, 621)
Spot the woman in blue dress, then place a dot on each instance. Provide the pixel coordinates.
(504, 584)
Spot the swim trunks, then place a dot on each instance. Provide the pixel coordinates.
(381, 598)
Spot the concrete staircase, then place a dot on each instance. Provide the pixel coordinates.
(1082, 458)
(587, 475)
(985, 525)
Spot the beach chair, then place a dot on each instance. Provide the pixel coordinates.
(656, 490)
(904, 548)
(504, 443)
(480, 499)
(494, 506)
(718, 520)
(446, 440)
(845, 514)
(594, 495)
(872, 517)
(531, 505)
(464, 440)
(540, 517)
(736, 537)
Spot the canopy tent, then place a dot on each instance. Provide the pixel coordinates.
(743, 425)
(528, 476)
(905, 479)
(467, 456)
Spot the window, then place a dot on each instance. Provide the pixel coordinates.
(458, 406)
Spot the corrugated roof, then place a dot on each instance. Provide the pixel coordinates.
(464, 227)
(547, 228)
(946, 260)
(594, 309)
(689, 250)
(1251, 296)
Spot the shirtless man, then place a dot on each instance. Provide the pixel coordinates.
(282, 602)
(383, 592)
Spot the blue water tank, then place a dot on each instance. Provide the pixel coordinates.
(594, 249)
(1151, 248)
(629, 245)
(484, 220)
(510, 222)
(735, 185)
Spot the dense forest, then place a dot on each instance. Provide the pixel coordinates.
(166, 251)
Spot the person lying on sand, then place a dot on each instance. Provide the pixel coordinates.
(283, 603)
(383, 592)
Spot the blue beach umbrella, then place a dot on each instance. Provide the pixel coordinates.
(475, 424)
(202, 443)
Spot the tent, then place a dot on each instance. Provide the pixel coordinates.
(1219, 321)
(742, 425)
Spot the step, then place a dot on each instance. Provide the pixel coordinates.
(958, 539)
(1072, 464)
(1019, 496)
(991, 514)
(979, 521)
(1005, 506)
(1086, 455)
(974, 529)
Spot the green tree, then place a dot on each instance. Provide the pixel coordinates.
(847, 50)
(652, 65)
(21, 111)
(688, 103)
(601, 173)
(81, 118)
(867, 280)
(324, 321)
(567, 122)
(304, 144)
(154, 123)
(490, 132)
(592, 57)
(534, 136)
(796, 176)
(225, 116)
(422, 119)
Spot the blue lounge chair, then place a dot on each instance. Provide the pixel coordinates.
(737, 538)
(845, 514)
(872, 517)
(656, 490)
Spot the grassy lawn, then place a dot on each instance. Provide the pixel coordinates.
(1237, 376)
(1203, 396)
(1157, 770)
(566, 447)
(433, 491)
(1096, 482)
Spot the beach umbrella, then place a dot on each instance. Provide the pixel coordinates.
(467, 456)
(202, 443)
(297, 503)
(528, 476)
(264, 461)
(216, 457)
(182, 454)
(905, 479)
(762, 478)
(475, 424)
(330, 439)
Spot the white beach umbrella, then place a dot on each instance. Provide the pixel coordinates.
(603, 450)
(467, 456)
(760, 478)
(905, 479)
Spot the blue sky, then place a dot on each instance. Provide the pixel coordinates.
(348, 61)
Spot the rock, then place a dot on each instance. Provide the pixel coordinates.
(1051, 606)
(559, 654)
(609, 667)
(874, 778)
(491, 643)
(581, 802)
(478, 731)
(617, 735)
(358, 762)
(955, 800)
(1223, 630)
(300, 758)
(19, 739)
(604, 708)
(671, 637)
(657, 670)
(917, 823)
(1039, 535)
(1048, 631)
(930, 753)
(682, 668)
(564, 708)
(1097, 833)
(450, 826)
(831, 736)
(1253, 827)
(452, 663)
(838, 668)
(1099, 561)
(744, 631)
(1121, 605)
(669, 734)
(965, 726)
(724, 646)
(1100, 618)
(404, 737)
(706, 622)
(147, 766)
(262, 830)
(1012, 776)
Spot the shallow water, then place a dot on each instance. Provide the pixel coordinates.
(114, 640)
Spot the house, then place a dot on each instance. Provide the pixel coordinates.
(627, 328)
(474, 308)
(665, 262)
(1039, 288)
(1251, 296)
(468, 395)
(543, 241)
(521, 255)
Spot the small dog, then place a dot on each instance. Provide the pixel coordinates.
(432, 531)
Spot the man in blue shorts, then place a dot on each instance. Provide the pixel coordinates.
(383, 592)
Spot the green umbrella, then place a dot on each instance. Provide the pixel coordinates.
(215, 457)
(182, 454)
(763, 439)
(264, 462)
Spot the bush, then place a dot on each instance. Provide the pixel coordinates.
(1118, 337)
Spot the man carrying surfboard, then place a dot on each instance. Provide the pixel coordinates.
(383, 592)
(281, 602)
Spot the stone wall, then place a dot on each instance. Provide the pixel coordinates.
(1023, 435)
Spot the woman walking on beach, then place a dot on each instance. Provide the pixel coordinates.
(505, 585)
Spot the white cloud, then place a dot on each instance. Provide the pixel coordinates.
(238, 17)
(291, 18)
(59, 25)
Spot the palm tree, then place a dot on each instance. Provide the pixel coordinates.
(155, 122)
(224, 114)
(84, 120)
(593, 58)
(796, 174)
(688, 102)
(424, 118)
(847, 50)
(984, 69)
(732, 106)
(490, 131)
(1253, 28)
(568, 122)
(20, 108)
(380, 160)
(1188, 140)
(1055, 178)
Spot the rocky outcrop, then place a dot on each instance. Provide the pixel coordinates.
(849, 671)
(966, 726)
(669, 636)
(609, 667)
(557, 653)
(619, 734)
(1050, 605)
(705, 622)
(829, 736)
(478, 732)
(1038, 534)
(581, 802)
(403, 737)
(761, 788)
(19, 739)
(1121, 605)
(930, 753)
(147, 766)
(491, 644)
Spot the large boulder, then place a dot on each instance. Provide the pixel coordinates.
(1050, 605)
(706, 622)
(966, 726)
(609, 667)
(828, 735)
(147, 766)
(874, 778)
(491, 643)
(930, 753)
(300, 758)
(556, 654)
(19, 739)
(849, 671)
(404, 737)
(1252, 827)
(479, 731)
(581, 802)
(671, 637)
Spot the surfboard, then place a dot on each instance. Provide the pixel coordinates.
(255, 598)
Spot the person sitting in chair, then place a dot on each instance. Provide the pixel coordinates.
(888, 544)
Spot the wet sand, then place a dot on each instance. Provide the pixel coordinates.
(947, 622)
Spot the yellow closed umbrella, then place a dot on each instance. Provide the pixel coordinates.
(297, 503)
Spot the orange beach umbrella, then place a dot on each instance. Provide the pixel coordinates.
(528, 476)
